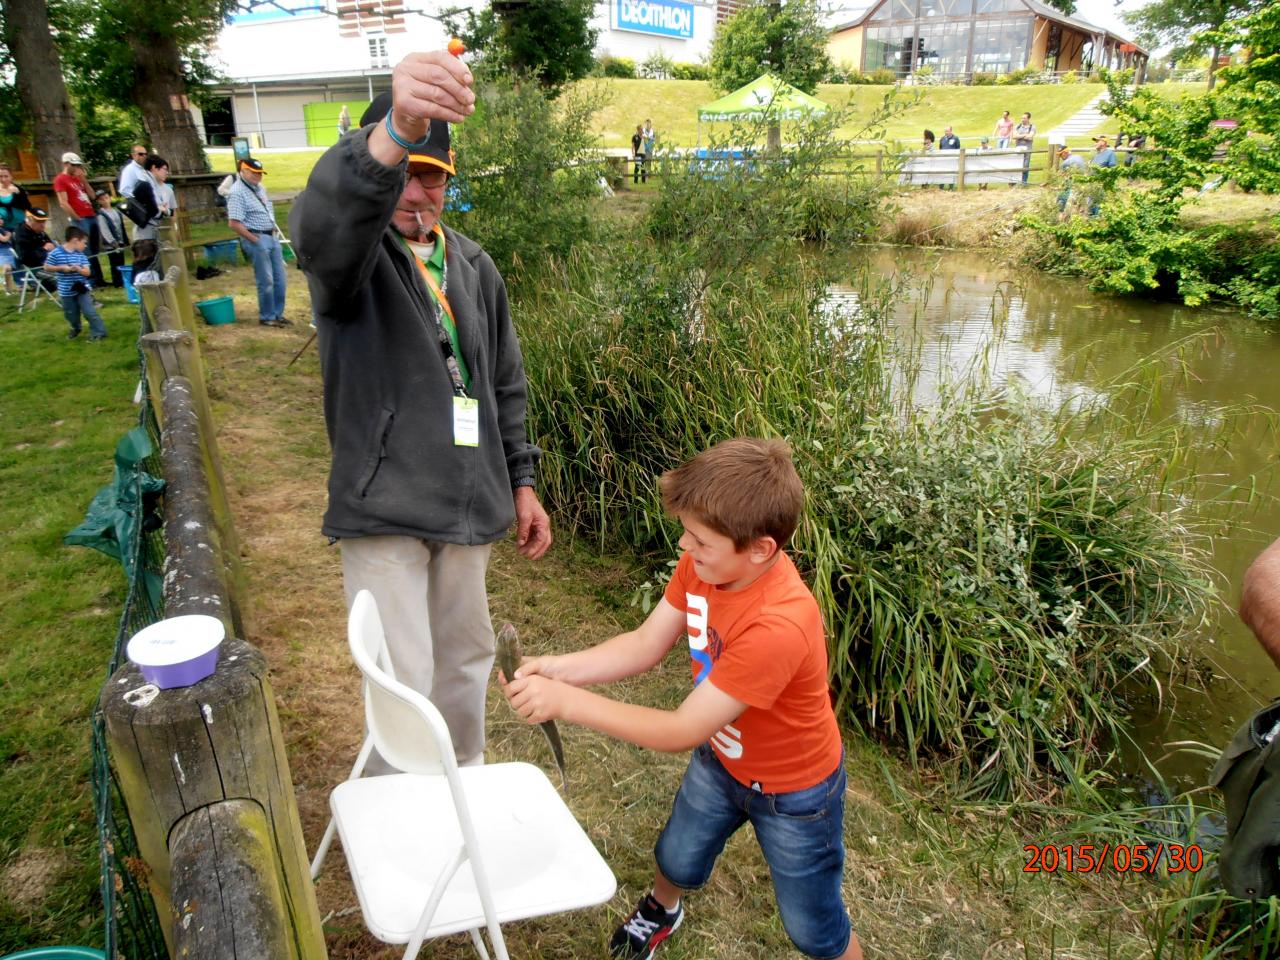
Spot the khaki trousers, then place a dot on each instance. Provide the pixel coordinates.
(435, 613)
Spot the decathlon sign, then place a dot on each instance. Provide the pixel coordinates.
(666, 18)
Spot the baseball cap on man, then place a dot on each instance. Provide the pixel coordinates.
(73, 159)
(35, 213)
(435, 152)
(252, 164)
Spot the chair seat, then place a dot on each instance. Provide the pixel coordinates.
(399, 831)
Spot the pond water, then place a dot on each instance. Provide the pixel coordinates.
(1059, 341)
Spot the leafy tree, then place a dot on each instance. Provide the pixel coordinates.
(787, 40)
(549, 40)
(1188, 26)
(151, 54)
(30, 52)
(1066, 6)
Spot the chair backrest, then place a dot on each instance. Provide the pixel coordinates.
(405, 726)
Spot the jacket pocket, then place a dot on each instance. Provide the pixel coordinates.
(377, 454)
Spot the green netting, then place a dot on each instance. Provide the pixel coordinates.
(125, 525)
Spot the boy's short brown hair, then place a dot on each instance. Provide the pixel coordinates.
(744, 488)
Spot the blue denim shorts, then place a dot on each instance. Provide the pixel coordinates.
(801, 834)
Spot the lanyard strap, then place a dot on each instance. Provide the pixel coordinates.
(451, 360)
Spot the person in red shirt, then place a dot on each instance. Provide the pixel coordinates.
(75, 197)
(766, 745)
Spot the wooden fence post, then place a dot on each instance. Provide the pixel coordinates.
(174, 353)
(172, 259)
(960, 169)
(204, 762)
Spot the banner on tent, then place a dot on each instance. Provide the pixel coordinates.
(663, 18)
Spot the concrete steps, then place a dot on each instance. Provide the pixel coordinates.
(1082, 122)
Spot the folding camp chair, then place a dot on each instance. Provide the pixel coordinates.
(438, 850)
(31, 287)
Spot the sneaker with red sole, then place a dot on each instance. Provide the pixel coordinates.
(647, 927)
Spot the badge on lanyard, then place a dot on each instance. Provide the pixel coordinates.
(466, 422)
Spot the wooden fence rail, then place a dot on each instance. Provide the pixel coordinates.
(968, 166)
(203, 768)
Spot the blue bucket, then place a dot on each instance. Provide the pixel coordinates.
(217, 311)
(223, 251)
(130, 291)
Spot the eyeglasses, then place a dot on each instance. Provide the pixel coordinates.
(139, 153)
(431, 178)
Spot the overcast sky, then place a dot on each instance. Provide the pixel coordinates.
(1106, 13)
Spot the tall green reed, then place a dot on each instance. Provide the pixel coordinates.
(994, 574)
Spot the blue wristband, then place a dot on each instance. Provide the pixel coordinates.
(391, 132)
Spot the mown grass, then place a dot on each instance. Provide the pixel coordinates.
(673, 107)
(65, 405)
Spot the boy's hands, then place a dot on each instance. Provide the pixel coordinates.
(537, 698)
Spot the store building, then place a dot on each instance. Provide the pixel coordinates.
(292, 64)
(957, 38)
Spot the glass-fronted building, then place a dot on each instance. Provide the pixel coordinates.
(957, 38)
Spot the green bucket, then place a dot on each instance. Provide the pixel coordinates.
(217, 311)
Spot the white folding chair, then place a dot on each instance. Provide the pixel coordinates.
(31, 287)
(437, 850)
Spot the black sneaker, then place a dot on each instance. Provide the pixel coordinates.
(72, 334)
(649, 924)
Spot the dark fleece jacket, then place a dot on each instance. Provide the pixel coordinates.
(388, 400)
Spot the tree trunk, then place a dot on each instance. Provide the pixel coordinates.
(38, 72)
(1213, 65)
(160, 91)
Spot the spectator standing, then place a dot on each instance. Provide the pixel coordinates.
(344, 121)
(1024, 138)
(146, 196)
(71, 265)
(166, 199)
(949, 141)
(1104, 154)
(132, 171)
(640, 174)
(1069, 164)
(1136, 143)
(251, 215)
(75, 197)
(650, 138)
(113, 236)
(1004, 130)
(926, 142)
(14, 204)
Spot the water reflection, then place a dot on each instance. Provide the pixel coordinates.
(1054, 340)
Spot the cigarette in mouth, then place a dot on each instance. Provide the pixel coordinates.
(422, 227)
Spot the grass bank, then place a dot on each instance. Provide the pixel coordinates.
(673, 107)
(65, 405)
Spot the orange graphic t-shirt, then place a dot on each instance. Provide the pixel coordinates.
(763, 645)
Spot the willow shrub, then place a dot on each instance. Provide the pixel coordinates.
(992, 575)
(527, 171)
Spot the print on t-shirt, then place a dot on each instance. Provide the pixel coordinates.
(696, 618)
(705, 647)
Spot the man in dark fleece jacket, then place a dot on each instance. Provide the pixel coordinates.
(424, 391)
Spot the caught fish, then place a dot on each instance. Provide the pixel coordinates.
(509, 656)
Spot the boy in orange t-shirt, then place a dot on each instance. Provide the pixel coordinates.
(766, 745)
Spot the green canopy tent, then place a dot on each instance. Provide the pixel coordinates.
(765, 98)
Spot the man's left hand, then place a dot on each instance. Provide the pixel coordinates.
(533, 526)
